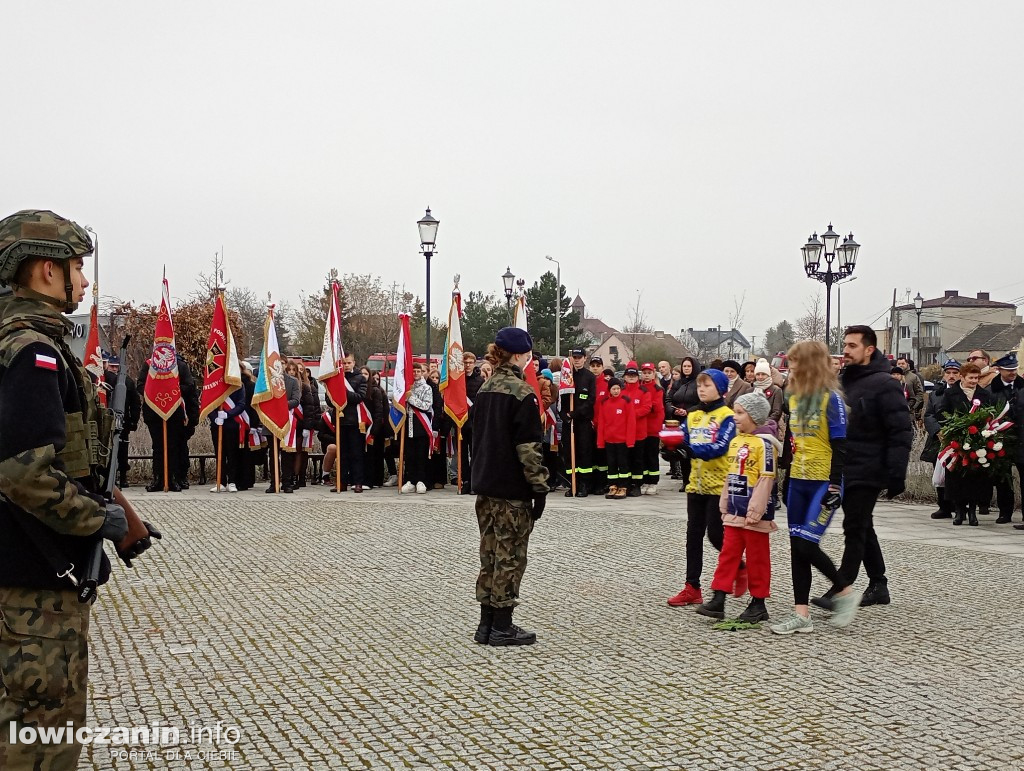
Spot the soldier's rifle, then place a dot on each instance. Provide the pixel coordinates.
(117, 403)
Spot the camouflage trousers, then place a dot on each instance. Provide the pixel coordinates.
(44, 664)
(505, 528)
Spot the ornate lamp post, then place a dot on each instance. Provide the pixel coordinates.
(428, 236)
(845, 259)
(509, 279)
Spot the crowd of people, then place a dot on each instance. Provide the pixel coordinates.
(607, 431)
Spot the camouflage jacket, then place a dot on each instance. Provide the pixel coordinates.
(508, 461)
(50, 448)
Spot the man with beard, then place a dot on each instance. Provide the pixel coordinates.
(878, 439)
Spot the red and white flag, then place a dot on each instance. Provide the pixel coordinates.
(566, 385)
(332, 357)
(222, 375)
(531, 372)
(163, 388)
(401, 383)
(93, 355)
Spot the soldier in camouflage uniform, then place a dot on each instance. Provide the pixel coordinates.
(51, 429)
(511, 483)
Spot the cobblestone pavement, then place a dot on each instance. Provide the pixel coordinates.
(335, 631)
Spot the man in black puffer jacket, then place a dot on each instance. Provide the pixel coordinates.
(878, 439)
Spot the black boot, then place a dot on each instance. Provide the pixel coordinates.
(504, 632)
(877, 593)
(715, 607)
(483, 631)
(755, 612)
(825, 601)
(961, 514)
(156, 486)
(634, 490)
(123, 479)
(972, 516)
(288, 484)
(271, 489)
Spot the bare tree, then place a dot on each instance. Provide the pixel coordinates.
(637, 323)
(811, 326)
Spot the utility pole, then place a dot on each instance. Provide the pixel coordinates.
(892, 323)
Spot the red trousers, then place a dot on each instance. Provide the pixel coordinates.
(759, 562)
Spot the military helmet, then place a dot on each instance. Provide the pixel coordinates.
(39, 234)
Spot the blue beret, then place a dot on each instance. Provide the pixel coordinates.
(514, 340)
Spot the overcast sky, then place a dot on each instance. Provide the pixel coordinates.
(681, 149)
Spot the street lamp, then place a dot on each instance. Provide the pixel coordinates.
(428, 236)
(558, 303)
(918, 307)
(845, 259)
(509, 279)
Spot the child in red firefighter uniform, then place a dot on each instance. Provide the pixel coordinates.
(748, 512)
(639, 394)
(655, 422)
(616, 435)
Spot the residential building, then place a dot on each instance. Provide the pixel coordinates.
(995, 339)
(944, 321)
(716, 343)
(622, 346)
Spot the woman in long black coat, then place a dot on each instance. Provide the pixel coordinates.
(679, 401)
(966, 489)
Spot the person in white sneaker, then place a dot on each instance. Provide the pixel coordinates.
(818, 423)
(419, 421)
(409, 487)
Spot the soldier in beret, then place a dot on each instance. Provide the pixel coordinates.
(511, 484)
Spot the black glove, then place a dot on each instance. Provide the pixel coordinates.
(115, 525)
(139, 546)
(832, 500)
(539, 499)
(895, 487)
(686, 450)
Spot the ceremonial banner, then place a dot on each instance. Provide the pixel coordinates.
(222, 374)
(270, 398)
(453, 370)
(566, 385)
(402, 381)
(332, 357)
(163, 389)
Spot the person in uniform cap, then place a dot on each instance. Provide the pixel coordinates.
(1006, 388)
(579, 419)
(511, 484)
(53, 448)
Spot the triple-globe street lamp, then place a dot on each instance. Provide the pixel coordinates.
(844, 258)
(428, 237)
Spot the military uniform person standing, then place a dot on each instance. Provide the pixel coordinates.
(132, 411)
(580, 420)
(50, 516)
(511, 483)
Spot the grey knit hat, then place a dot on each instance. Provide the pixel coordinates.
(756, 406)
